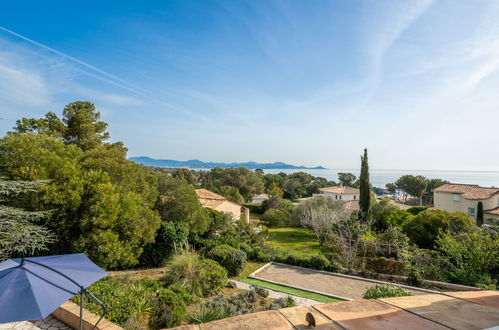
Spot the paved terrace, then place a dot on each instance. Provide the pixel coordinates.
(350, 287)
(454, 310)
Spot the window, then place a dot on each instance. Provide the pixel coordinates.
(455, 197)
(340, 196)
(471, 210)
(335, 196)
(354, 197)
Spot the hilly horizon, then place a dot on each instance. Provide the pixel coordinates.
(195, 163)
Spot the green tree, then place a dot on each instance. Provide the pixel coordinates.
(470, 257)
(178, 202)
(21, 230)
(384, 215)
(51, 125)
(479, 214)
(365, 188)
(171, 238)
(424, 228)
(347, 179)
(83, 125)
(391, 187)
(412, 185)
(101, 203)
(430, 185)
(246, 181)
(231, 193)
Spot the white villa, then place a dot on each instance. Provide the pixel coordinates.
(465, 197)
(343, 193)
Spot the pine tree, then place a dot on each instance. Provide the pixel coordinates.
(479, 214)
(365, 188)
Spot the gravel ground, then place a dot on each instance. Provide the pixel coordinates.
(49, 323)
(276, 294)
(312, 280)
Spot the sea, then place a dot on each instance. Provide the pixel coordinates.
(379, 178)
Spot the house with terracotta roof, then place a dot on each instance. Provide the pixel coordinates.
(465, 197)
(219, 203)
(343, 193)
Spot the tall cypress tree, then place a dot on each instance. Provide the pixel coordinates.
(365, 187)
(479, 214)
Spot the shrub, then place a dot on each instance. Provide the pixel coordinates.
(276, 217)
(204, 315)
(415, 277)
(198, 276)
(424, 228)
(385, 266)
(384, 291)
(319, 262)
(243, 303)
(124, 298)
(168, 310)
(182, 293)
(416, 209)
(281, 303)
(247, 249)
(231, 259)
(469, 258)
(170, 238)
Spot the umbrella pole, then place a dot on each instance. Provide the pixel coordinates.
(81, 310)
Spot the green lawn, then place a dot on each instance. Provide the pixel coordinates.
(292, 291)
(296, 241)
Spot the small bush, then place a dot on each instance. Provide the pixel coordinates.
(276, 217)
(385, 266)
(231, 259)
(318, 262)
(182, 293)
(415, 277)
(384, 291)
(200, 277)
(243, 303)
(204, 315)
(168, 309)
(281, 303)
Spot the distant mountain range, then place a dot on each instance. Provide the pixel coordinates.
(200, 164)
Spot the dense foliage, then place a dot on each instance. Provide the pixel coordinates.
(424, 228)
(200, 277)
(100, 203)
(230, 258)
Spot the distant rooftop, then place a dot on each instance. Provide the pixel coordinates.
(341, 190)
(209, 198)
(468, 191)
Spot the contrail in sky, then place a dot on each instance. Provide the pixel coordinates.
(110, 78)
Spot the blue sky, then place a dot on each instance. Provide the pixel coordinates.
(305, 82)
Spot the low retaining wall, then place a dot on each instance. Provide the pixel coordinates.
(69, 313)
(403, 279)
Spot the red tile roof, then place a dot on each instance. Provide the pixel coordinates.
(494, 211)
(468, 191)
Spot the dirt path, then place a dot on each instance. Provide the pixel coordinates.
(312, 280)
